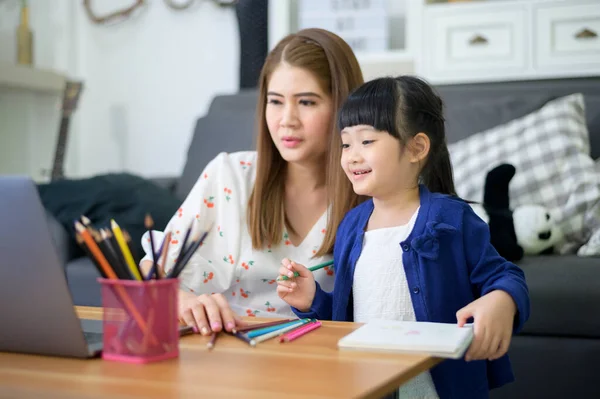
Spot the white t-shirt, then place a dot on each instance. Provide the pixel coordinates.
(380, 291)
(226, 262)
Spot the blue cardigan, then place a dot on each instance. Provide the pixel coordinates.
(449, 262)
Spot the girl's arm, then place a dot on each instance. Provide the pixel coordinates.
(489, 271)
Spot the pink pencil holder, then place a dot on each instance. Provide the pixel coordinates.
(140, 322)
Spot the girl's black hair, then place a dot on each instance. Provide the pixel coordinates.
(404, 106)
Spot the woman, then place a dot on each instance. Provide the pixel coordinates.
(276, 202)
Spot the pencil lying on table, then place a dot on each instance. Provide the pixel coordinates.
(312, 269)
(260, 325)
(298, 332)
(213, 340)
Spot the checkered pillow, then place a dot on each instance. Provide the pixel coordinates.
(551, 151)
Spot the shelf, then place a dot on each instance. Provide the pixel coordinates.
(31, 79)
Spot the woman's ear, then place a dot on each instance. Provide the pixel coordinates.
(419, 147)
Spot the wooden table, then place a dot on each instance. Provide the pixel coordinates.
(310, 367)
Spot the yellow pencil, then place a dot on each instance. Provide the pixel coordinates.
(125, 250)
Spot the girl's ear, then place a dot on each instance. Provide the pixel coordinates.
(420, 146)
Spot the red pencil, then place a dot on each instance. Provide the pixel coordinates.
(297, 333)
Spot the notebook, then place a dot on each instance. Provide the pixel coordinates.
(445, 340)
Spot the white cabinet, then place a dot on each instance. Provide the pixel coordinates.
(509, 40)
(473, 41)
(568, 35)
(482, 42)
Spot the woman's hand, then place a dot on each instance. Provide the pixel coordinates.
(207, 313)
(493, 315)
(298, 292)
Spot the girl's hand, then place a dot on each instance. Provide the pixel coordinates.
(207, 313)
(299, 291)
(493, 316)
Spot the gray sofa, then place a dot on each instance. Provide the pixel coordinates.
(555, 356)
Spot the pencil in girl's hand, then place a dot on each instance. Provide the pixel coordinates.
(298, 332)
(312, 269)
(125, 250)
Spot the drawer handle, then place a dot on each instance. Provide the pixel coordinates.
(586, 33)
(478, 40)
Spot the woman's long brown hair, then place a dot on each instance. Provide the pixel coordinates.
(331, 61)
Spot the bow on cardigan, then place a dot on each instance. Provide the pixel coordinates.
(427, 245)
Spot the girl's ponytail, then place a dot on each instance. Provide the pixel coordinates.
(437, 176)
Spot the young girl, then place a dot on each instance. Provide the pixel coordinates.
(414, 251)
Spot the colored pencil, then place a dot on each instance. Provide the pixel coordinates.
(127, 302)
(297, 333)
(164, 250)
(112, 257)
(112, 243)
(85, 249)
(265, 330)
(261, 325)
(273, 334)
(213, 340)
(185, 330)
(312, 269)
(149, 224)
(182, 261)
(125, 250)
(247, 340)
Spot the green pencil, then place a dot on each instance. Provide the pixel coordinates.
(312, 269)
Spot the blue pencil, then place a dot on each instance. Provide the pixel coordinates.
(266, 330)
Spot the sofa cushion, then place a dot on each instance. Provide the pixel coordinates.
(565, 295)
(550, 151)
(471, 108)
(216, 133)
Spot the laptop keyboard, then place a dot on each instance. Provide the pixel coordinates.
(93, 337)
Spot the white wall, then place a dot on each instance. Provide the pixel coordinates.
(147, 79)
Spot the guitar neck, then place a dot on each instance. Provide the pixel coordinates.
(70, 99)
(59, 154)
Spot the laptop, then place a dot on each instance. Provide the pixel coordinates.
(37, 314)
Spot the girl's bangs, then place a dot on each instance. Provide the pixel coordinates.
(372, 104)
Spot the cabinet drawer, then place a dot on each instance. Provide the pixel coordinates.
(568, 35)
(478, 41)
